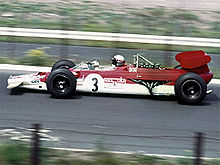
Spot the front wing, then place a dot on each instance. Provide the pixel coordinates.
(30, 81)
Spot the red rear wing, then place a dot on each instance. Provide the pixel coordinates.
(193, 59)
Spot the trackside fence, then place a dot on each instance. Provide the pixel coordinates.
(38, 134)
(35, 158)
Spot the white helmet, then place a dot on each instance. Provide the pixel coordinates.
(118, 60)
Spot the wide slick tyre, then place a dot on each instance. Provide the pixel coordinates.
(190, 88)
(61, 83)
(65, 64)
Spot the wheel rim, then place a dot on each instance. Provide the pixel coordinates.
(191, 89)
(61, 83)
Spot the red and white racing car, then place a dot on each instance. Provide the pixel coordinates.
(188, 81)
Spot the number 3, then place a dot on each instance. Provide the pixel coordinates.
(95, 85)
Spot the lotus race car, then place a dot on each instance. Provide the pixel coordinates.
(187, 81)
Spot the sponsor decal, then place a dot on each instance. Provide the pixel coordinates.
(35, 81)
(114, 82)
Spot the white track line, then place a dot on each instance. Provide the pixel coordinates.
(48, 69)
(215, 81)
(130, 153)
(101, 36)
(24, 68)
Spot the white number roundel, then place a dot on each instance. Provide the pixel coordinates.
(94, 83)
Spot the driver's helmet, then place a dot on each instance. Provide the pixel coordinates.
(118, 60)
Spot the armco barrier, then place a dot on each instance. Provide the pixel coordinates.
(119, 37)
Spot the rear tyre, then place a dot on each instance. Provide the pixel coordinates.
(65, 64)
(190, 88)
(61, 83)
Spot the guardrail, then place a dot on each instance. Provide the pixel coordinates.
(114, 37)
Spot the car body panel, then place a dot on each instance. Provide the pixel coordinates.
(193, 59)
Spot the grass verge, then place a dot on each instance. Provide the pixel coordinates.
(17, 153)
(100, 17)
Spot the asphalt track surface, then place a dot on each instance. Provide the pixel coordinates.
(156, 125)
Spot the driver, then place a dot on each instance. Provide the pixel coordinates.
(118, 60)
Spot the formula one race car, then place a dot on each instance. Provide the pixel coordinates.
(188, 81)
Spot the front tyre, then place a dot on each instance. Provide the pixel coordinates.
(190, 88)
(61, 83)
(65, 64)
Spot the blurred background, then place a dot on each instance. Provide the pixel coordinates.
(162, 18)
(173, 18)
(178, 18)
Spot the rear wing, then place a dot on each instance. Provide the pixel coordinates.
(193, 59)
